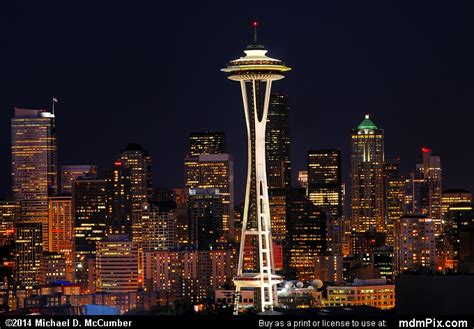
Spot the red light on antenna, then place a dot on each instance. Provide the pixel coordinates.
(255, 23)
(425, 150)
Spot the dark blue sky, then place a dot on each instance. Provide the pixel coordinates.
(148, 72)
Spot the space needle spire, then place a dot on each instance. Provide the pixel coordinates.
(255, 72)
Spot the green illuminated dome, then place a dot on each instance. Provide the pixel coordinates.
(367, 124)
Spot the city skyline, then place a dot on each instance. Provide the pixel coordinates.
(96, 217)
(433, 78)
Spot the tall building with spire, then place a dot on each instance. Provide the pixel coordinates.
(255, 73)
(367, 183)
(34, 164)
(277, 142)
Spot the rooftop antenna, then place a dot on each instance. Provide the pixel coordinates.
(53, 101)
(255, 25)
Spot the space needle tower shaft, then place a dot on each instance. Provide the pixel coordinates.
(255, 72)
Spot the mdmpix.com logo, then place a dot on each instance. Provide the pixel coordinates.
(432, 323)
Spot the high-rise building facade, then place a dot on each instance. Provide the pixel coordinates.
(214, 171)
(424, 189)
(138, 161)
(117, 264)
(119, 199)
(34, 163)
(69, 173)
(452, 197)
(415, 246)
(394, 188)
(52, 268)
(367, 189)
(90, 226)
(277, 142)
(9, 216)
(306, 236)
(302, 179)
(61, 230)
(190, 276)
(207, 142)
(206, 210)
(159, 229)
(459, 229)
(28, 252)
(325, 180)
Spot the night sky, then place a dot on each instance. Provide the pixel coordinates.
(148, 73)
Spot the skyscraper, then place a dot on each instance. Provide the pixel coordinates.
(367, 189)
(117, 264)
(452, 197)
(28, 251)
(306, 235)
(206, 142)
(205, 218)
(71, 172)
(423, 189)
(9, 216)
(215, 171)
(394, 187)
(90, 226)
(256, 72)
(277, 142)
(34, 163)
(459, 226)
(137, 159)
(159, 229)
(414, 243)
(119, 199)
(325, 191)
(325, 180)
(60, 239)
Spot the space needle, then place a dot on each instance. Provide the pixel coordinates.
(256, 71)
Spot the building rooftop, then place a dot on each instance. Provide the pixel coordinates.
(367, 124)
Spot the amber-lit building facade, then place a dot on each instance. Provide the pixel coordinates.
(119, 201)
(190, 275)
(28, 253)
(9, 215)
(394, 188)
(136, 159)
(367, 188)
(69, 173)
(159, 229)
(277, 142)
(452, 197)
(325, 180)
(375, 293)
(117, 264)
(61, 230)
(415, 246)
(34, 163)
(207, 142)
(90, 226)
(306, 236)
(214, 171)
